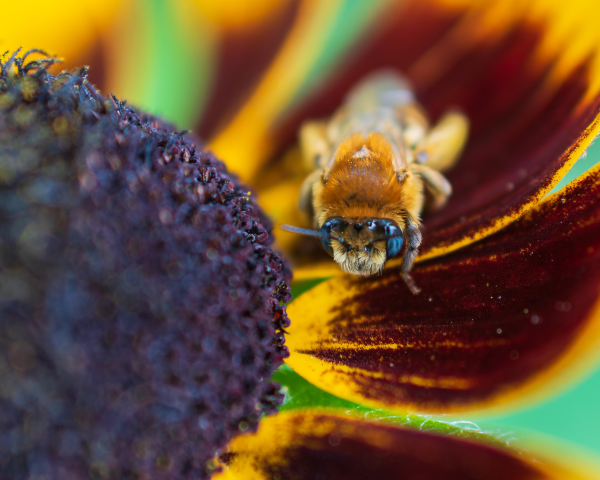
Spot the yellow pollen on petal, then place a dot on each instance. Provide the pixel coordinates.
(353, 346)
(437, 382)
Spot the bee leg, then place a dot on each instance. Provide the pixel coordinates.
(437, 185)
(442, 146)
(305, 201)
(314, 145)
(413, 240)
(402, 174)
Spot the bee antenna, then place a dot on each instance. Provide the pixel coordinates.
(300, 231)
(310, 233)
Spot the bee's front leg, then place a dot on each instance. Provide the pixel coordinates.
(402, 175)
(314, 145)
(305, 201)
(413, 240)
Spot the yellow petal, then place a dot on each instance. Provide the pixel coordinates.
(66, 29)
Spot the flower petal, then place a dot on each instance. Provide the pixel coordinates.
(247, 141)
(493, 322)
(322, 445)
(52, 26)
(527, 75)
(244, 51)
(144, 49)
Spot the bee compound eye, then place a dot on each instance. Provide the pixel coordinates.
(325, 237)
(326, 243)
(391, 229)
(393, 247)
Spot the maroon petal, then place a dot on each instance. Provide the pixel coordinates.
(243, 55)
(319, 445)
(494, 321)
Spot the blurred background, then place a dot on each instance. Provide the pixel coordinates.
(180, 59)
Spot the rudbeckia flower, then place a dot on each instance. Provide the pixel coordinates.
(508, 306)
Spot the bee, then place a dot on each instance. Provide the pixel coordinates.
(376, 165)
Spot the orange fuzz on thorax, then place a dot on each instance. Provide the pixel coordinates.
(362, 183)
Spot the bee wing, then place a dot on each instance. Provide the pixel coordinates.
(306, 200)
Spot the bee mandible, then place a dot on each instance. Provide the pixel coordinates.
(376, 165)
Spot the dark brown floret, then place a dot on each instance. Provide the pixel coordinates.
(141, 308)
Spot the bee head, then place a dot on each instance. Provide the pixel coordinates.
(360, 246)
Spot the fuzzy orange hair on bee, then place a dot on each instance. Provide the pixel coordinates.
(376, 165)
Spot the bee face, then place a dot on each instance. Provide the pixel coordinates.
(361, 246)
